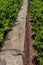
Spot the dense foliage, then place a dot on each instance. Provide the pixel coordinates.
(8, 13)
(36, 12)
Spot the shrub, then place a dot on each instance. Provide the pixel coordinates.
(38, 46)
(8, 14)
(36, 13)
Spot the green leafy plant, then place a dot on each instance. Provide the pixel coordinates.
(38, 46)
(36, 13)
(8, 13)
(40, 59)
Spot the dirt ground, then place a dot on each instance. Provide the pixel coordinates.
(29, 50)
(19, 41)
(14, 41)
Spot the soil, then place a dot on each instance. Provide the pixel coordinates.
(28, 46)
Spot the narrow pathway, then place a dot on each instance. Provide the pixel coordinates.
(13, 48)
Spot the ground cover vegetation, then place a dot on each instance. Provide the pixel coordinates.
(8, 13)
(36, 13)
